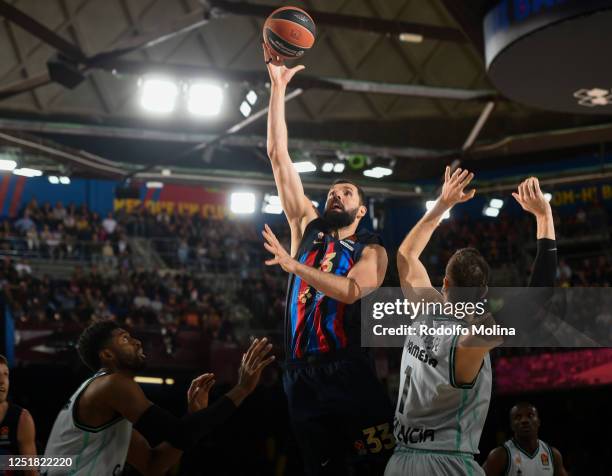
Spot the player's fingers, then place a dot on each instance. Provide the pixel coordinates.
(521, 190)
(270, 248)
(462, 176)
(466, 181)
(298, 68)
(456, 174)
(260, 355)
(255, 355)
(447, 173)
(270, 233)
(249, 351)
(536, 185)
(532, 192)
(265, 363)
(271, 262)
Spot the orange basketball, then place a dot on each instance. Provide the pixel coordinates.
(289, 32)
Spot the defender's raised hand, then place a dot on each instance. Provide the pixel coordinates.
(197, 395)
(254, 360)
(453, 190)
(280, 75)
(531, 198)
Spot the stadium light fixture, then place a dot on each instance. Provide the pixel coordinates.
(272, 205)
(377, 172)
(304, 167)
(151, 380)
(155, 185)
(64, 180)
(245, 109)
(548, 196)
(204, 99)
(327, 167)
(242, 203)
(496, 203)
(251, 97)
(158, 95)
(491, 212)
(411, 38)
(315, 203)
(53, 179)
(26, 172)
(339, 167)
(7, 164)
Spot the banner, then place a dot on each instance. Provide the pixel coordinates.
(207, 202)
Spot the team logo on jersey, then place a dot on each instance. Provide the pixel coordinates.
(305, 296)
(4, 433)
(326, 262)
(544, 458)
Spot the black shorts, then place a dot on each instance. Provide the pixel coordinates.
(341, 416)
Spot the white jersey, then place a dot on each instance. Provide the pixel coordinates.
(100, 451)
(521, 463)
(433, 412)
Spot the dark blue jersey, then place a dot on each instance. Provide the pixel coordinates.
(314, 322)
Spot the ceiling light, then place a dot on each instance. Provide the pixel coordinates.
(155, 185)
(242, 202)
(377, 172)
(7, 164)
(548, 196)
(159, 95)
(304, 167)
(411, 37)
(53, 179)
(272, 205)
(64, 180)
(327, 167)
(26, 172)
(245, 109)
(315, 203)
(496, 203)
(339, 167)
(429, 204)
(491, 212)
(166, 172)
(204, 99)
(153, 380)
(251, 97)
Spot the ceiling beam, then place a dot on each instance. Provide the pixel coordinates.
(301, 81)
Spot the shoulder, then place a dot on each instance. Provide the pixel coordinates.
(374, 251)
(367, 237)
(111, 385)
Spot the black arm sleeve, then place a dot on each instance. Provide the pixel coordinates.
(157, 424)
(545, 264)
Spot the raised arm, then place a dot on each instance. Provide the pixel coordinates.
(413, 276)
(296, 205)
(532, 200)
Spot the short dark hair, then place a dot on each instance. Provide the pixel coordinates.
(359, 189)
(522, 404)
(3, 360)
(467, 269)
(93, 339)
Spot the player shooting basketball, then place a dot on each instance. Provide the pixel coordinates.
(442, 408)
(340, 412)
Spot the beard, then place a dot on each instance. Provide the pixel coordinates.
(132, 362)
(339, 219)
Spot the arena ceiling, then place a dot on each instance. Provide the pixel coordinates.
(410, 104)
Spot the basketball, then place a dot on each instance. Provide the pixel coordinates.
(289, 32)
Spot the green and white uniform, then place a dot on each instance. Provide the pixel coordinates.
(437, 422)
(100, 451)
(521, 463)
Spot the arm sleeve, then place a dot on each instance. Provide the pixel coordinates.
(157, 424)
(545, 264)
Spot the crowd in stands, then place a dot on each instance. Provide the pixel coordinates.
(199, 249)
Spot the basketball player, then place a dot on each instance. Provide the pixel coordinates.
(445, 381)
(524, 454)
(17, 431)
(340, 412)
(109, 419)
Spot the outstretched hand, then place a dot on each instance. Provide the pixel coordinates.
(453, 190)
(531, 198)
(197, 395)
(280, 75)
(254, 360)
(281, 257)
